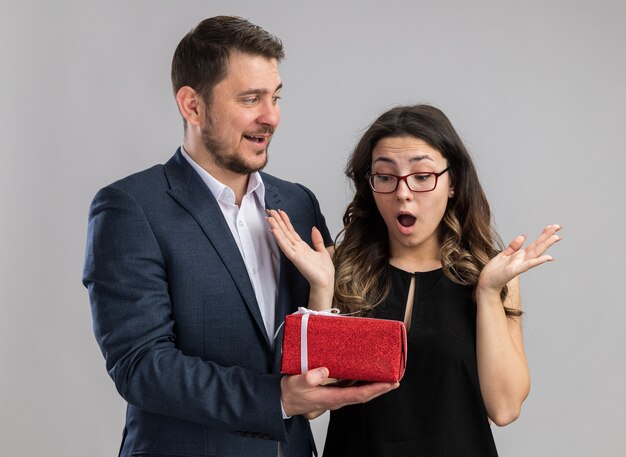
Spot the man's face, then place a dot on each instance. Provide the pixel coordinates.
(243, 113)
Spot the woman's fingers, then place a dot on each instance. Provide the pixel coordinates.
(318, 240)
(542, 247)
(537, 247)
(285, 241)
(284, 224)
(288, 239)
(315, 263)
(515, 245)
(546, 239)
(515, 260)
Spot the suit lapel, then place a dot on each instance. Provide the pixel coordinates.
(188, 189)
(273, 201)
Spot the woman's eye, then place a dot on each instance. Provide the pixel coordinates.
(421, 177)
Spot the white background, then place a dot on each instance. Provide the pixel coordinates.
(536, 89)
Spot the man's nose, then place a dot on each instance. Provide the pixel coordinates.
(270, 114)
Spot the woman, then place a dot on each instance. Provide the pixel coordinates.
(418, 246)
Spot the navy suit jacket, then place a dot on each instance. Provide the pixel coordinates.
(175, 315)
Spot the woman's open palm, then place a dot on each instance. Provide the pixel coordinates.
(514, 260)
(316, 265)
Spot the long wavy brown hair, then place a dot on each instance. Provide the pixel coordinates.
(468, 240)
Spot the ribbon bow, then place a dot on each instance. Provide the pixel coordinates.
(324, 312)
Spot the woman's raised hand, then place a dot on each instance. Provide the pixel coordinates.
(514, 260)
(316, 265)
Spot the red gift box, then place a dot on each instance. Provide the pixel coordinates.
(355, 348)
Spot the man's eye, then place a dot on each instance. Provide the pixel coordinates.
(250, 101)
(275, 99)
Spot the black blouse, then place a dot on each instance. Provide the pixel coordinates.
(438, 409)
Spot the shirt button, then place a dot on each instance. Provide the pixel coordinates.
(240, 223)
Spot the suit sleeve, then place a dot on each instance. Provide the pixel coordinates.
(126, 277)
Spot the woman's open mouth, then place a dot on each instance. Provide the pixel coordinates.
(406, 220)
(406, 223)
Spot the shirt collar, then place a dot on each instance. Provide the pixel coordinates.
(221, 191)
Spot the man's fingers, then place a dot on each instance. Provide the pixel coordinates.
(315, 377)
(352, 395)
(314, 414)
(304, 393)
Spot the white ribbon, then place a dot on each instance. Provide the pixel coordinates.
(304, 349)
(306, 312)
(326, 312)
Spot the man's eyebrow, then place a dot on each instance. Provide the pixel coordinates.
(259, 91)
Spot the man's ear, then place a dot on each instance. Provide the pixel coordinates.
(191, 105)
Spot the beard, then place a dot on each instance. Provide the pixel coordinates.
(231, 160)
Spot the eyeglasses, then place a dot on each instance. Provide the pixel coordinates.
(384, 183)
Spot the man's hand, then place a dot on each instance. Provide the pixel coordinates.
(302, 394)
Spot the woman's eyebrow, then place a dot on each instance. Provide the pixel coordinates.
(412, 159)
(384, 159)
(422, 157)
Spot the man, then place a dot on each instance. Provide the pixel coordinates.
(187, 287)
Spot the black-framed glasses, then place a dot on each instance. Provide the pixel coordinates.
(384, 183)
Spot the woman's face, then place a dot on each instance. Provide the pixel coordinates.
(412, 218)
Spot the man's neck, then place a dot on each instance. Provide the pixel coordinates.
(236, 181)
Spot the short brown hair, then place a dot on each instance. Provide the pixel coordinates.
(201, 58)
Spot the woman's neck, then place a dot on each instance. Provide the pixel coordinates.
(423, 257)
(414, 265)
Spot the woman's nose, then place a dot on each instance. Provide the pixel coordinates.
(402, 191)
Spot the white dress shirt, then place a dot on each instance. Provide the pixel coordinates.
(251, 233)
